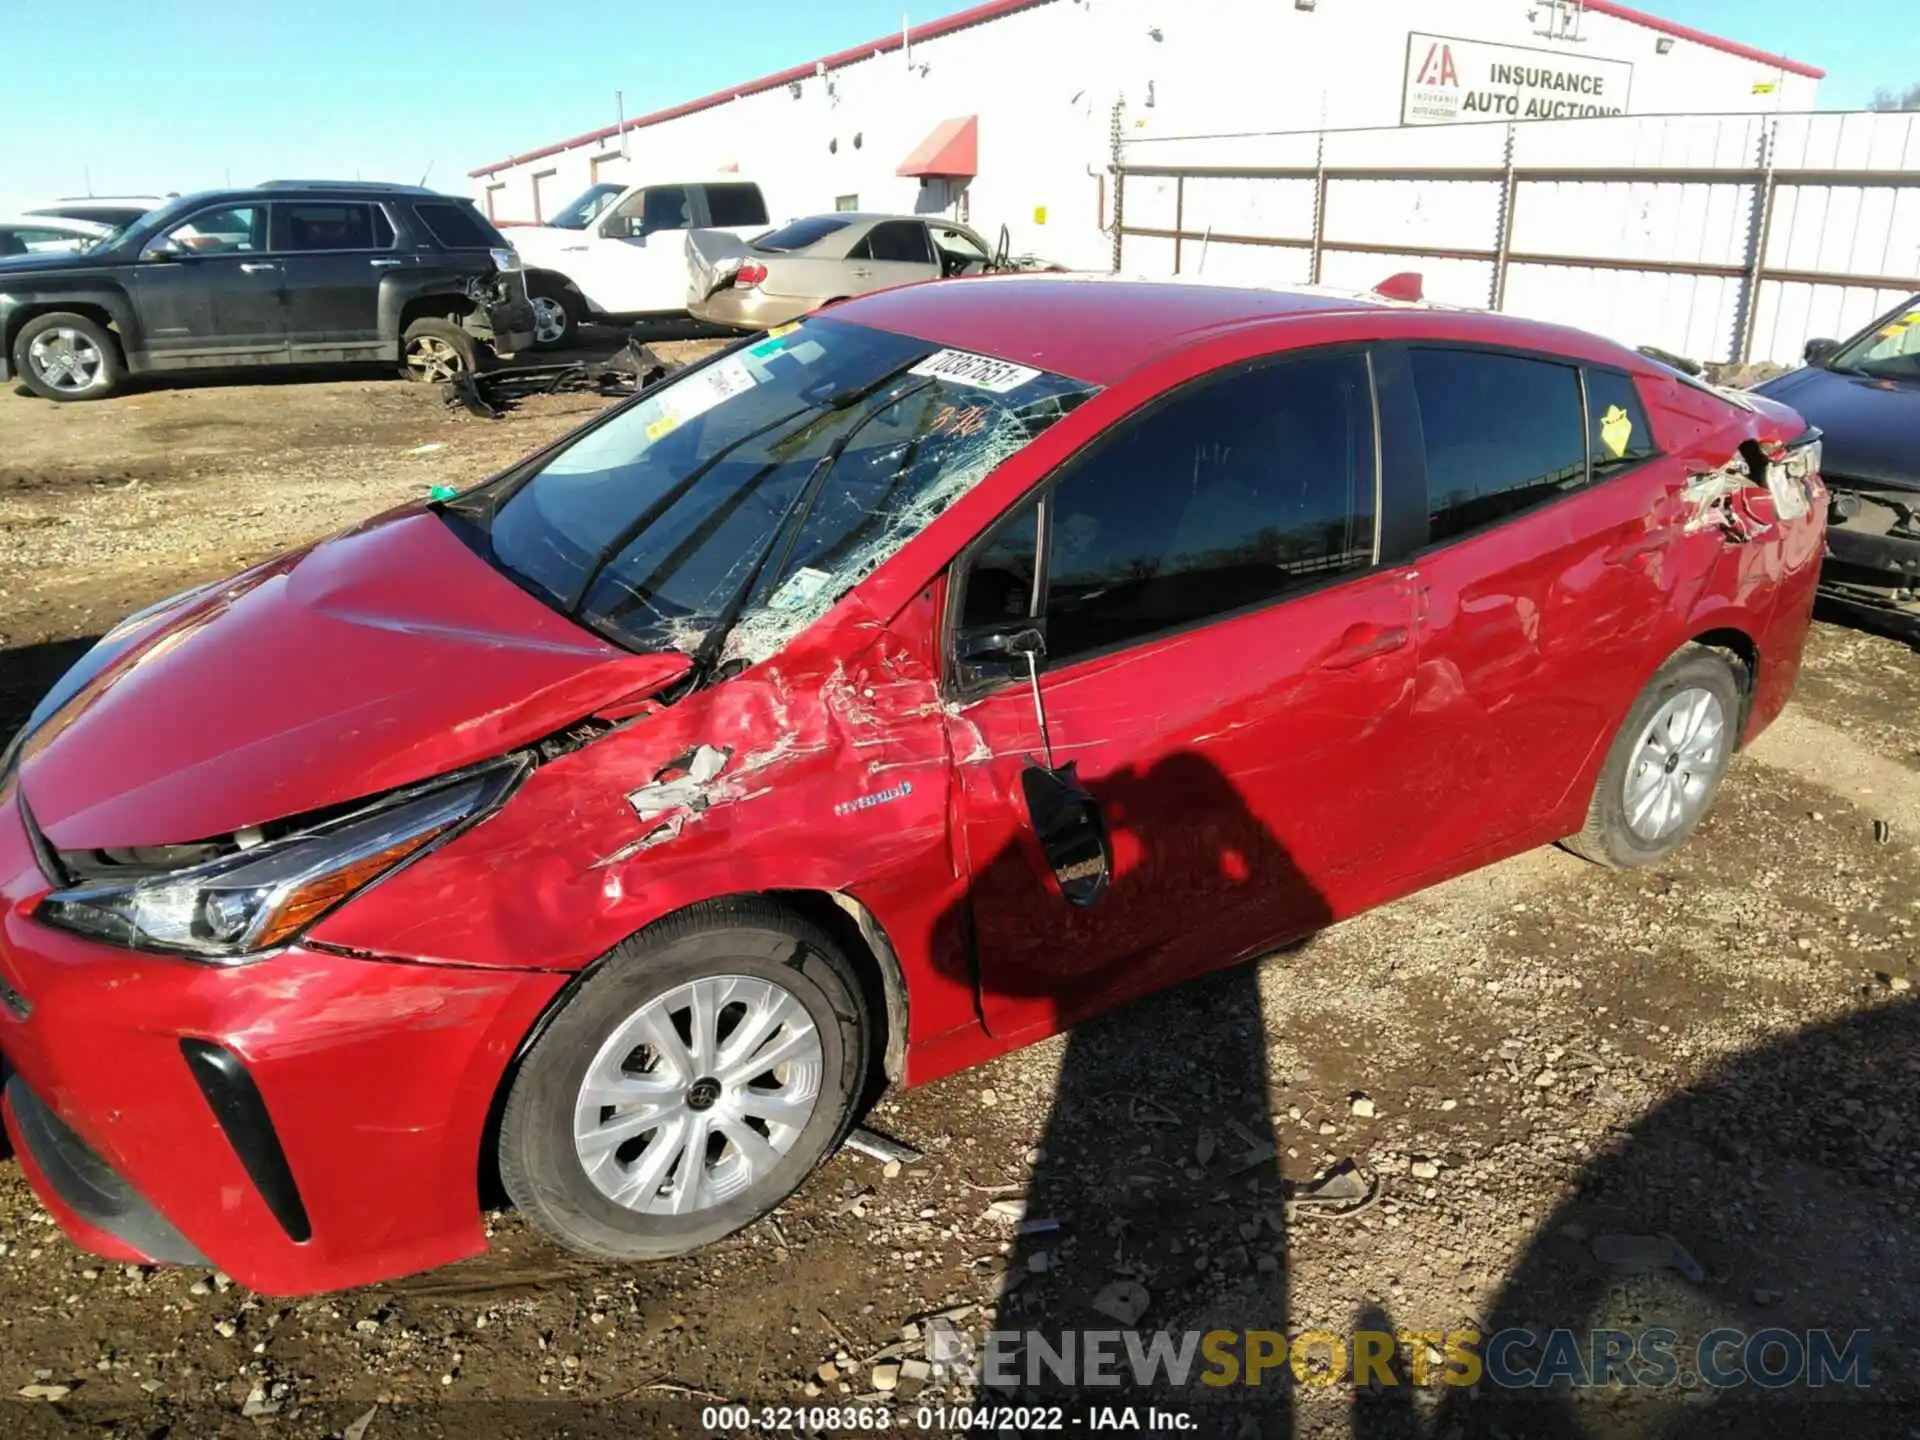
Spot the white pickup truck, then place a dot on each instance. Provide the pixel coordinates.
(620, 254)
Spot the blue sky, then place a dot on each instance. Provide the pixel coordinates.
(145, 95)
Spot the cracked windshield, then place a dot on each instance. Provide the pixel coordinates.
(737, 503)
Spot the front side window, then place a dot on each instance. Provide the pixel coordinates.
(229, 230)
(1238, 490)
(732, 506)
(902, 241)
(315, 226)
(1503, 434)
(663, 207)
(1618, 436)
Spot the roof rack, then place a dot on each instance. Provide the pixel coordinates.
(374, 187)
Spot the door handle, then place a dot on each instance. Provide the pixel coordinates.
(255, 267)
(573, 247)
(384, 264)
(1636, 549)
(862, 274)
(1365, 642)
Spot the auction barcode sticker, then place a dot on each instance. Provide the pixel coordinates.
(982, 372)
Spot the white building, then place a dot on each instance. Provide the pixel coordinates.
(1007, 113)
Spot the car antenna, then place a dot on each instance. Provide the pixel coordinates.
(425, 173)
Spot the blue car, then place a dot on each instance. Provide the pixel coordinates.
(1864, 395)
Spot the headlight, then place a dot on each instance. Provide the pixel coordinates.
(506, 261)
(232, 908)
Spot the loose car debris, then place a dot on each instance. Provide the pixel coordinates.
(493, 393)
(1644, 1254)
(881, 1147)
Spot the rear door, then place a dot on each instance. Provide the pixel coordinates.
(894, 252)
(208, 293)
(1548, 575)
(332, 255)
(1227, 666)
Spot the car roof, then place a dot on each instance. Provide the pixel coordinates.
(1099, 328)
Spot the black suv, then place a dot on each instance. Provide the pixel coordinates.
(286, 273)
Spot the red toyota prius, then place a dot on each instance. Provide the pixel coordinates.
(888, 691)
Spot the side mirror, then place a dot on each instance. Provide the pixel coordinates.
(1073, 834)
(166, 250)
(1820, 351)
(998, 652)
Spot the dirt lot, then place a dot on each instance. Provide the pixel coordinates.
(1546, 1056)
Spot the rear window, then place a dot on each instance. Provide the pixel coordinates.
(801, 233)
(1619, 437)
(730, 205)
(457, 225)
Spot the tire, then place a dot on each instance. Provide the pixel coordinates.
(1652, 791)
(733, 952)
(553, 306)
(63, 356)
(435, 351)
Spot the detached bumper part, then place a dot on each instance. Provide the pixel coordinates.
(89, 1186)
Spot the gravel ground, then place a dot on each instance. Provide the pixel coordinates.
(1523, 1066)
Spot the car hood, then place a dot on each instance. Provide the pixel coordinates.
(1870, 428)
(376, 659)
(52, 260)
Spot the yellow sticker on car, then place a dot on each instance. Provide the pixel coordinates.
(1616, 430)
(777, 331)
(665, 425)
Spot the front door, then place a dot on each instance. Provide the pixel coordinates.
(1227, 668)
(207, 293)
(332, 255)
(633, 260)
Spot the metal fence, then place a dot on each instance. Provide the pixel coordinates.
(1719, 237)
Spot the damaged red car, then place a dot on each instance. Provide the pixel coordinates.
(883, 693)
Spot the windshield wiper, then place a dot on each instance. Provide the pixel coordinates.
(707, 657)
(624, 537)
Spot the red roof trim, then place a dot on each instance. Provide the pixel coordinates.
(1700, 37)
(997, 9)
(932, 30)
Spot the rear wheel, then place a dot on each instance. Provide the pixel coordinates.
(688, 1086)
(1666, 763)
(63, 356)
(435, 351)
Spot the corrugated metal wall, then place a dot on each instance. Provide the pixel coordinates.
(1716, 236)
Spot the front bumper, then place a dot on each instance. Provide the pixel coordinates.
(1873, 551)
(357, 1157)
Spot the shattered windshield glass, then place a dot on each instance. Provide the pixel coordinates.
(739, 501)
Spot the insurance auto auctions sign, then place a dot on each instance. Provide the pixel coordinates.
(1449, 81)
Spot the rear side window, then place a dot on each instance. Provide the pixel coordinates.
(325, 226)
(458, 226)
(1618, 436)
(801, 233)
(1503, 433)
(729, 205)
(903, 241)
(1238, 490)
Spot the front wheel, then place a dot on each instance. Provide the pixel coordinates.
(555, 315)
(63, 356)
(688, 1085)
(435, 351)
(1666, 763)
